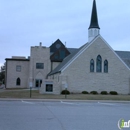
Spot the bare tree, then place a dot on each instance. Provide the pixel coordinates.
(2, 74)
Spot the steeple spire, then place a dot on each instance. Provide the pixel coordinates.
(94, 28)
(94, 17)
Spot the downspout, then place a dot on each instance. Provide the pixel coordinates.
(51, 65)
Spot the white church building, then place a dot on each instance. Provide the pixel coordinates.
(95, 66)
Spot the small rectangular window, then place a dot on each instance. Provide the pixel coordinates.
(39, 66)
(49, 87)
(18, 68)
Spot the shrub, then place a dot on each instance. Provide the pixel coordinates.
(94, 92)
(85, 92)
(104, 93)
(65, 92)
(113, 93)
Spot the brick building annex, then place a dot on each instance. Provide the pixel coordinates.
(93, 66)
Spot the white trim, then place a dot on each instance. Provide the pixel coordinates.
(77, 55)
(115, 53)
(27, 102)
(106, 103)
(92, 33)
(84, 48)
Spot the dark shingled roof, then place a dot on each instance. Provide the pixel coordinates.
(67, 60)
(125, 56)
(72, 50)
(94, 17)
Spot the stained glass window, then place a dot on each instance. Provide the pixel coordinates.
(92, 65)
(99, 64)
(106, 66)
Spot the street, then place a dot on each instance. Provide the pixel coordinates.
(62, 115)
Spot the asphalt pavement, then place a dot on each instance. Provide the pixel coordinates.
(62, 115)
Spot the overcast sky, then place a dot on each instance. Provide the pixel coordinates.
(25, 23)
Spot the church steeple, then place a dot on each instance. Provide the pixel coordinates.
(94, 28)
(94, 17)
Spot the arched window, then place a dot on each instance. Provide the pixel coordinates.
(99, 64)
(106, 66)
(92, 65)
(18, 81)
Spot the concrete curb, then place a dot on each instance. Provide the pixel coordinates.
(59, 100)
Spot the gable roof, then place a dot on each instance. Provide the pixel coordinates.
(56, 45)
(67, 60)
(125, 56)
(71, 50)
(59, 54)
(122, 55)
(58, 51)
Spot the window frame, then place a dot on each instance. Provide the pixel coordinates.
(49, 90)
(18, 68)
(105, 66)
(18, 81)
(91, 65)
(39, 65)
(99, 64)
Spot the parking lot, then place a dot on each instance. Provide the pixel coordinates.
(62, 115)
